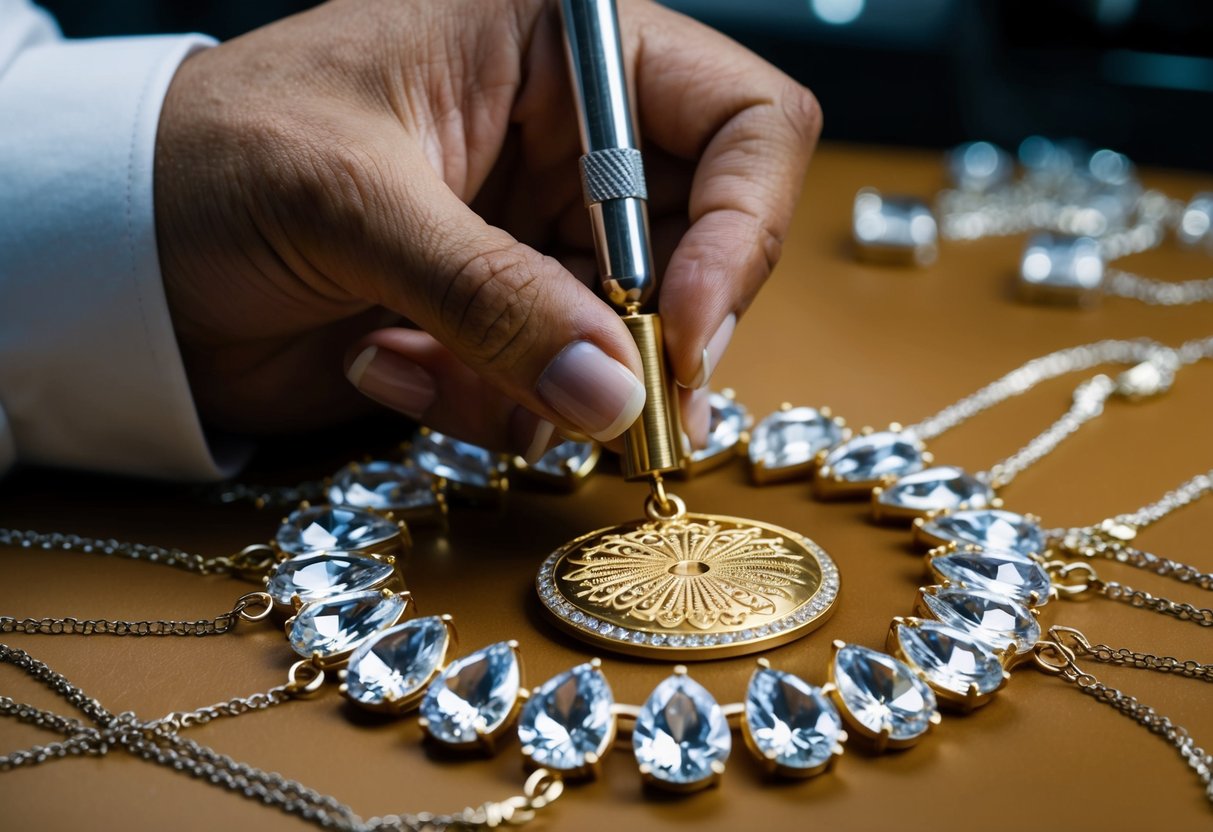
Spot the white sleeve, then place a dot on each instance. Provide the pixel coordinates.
(90, 372)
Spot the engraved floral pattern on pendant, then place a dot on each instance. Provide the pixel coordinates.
(702, 573)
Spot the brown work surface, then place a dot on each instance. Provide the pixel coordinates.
(877, 344)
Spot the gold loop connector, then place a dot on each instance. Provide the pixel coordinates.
(1069, 638)
(1054, 658)
(252, 562)
(305, 678)
(672, 508)
(1075, 580)
(254, 606)
(542, 788)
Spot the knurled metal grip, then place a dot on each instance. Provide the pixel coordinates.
(612, 173)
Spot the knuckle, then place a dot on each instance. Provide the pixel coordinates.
(803, 112)
(491, 304)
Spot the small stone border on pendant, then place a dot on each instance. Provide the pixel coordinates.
(693, 645)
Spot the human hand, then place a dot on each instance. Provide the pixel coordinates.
(323, 179)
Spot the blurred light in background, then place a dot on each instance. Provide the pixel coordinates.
(837, 12)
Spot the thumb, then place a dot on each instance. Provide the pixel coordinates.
(514, 316)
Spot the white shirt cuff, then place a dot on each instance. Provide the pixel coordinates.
(90, 372)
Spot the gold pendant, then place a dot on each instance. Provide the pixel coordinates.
(688, 586)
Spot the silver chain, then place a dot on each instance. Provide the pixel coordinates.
(250, 561)
(1024, 378)
(1059, 660)
(158, 741)
(1153, 373)
(1060, 206)
(1089, 399)
(267, 496)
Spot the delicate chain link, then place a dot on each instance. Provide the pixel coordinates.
(250, 607)
(267, 496)
(1059, 660)
(1089, 399)
(1076, 641)
(1116, 591)
(158, 742)
(1124, 284)
(1024, 378)
(1058, 206)
(249, 560)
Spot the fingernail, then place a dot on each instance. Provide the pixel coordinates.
(698, 418)
(595, 392)
(393, 381)
(531, 433)
(714, 351)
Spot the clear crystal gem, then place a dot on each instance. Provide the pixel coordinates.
(949, 658)
(568, 717)
(394, 665)
(882, 694)
(382, 486)
(681, 732)
(936, 489)
(991, 619)
(475, 695)
(1196, 222)
(793, 437)
(1003, 573)
(896, 229)
(979, 166)
(459, 462)
(876, 455)
(342, 622)
(312, 577)
(333, 528)
(989, 528)
(728, 420)
(791, 719)
(1059, 267)
(566, 458)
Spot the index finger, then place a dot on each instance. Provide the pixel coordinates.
(753, 129)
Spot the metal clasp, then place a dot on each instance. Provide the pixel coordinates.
(1075, 580)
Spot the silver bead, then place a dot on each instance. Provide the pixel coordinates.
(979, 166)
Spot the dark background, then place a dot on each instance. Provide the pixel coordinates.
(1135, 75)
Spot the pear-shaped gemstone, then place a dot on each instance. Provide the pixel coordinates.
(882, 694)
(681, 737)
(949, 659)
(792, 438)
(567, 719)
(459, 462)
(312, 577)
(566, 459)
(988, 528)
(333, 528)
(728, 420)
(1003, 573)
(789, 721)
(382, 486)
(936, 489)
(342, 622)
(993, 620)
(395, 665)
(870, 457)
(474, 696)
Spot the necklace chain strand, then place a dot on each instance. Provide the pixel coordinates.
(250, 607)
(158, 742)
(1059, 660)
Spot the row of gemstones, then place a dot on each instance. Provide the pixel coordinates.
(974, 627)
(793, 442)
(891, 465)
